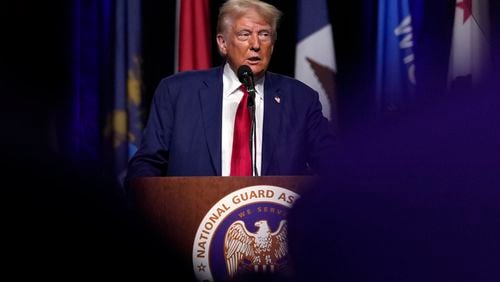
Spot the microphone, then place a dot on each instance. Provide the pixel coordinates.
(245, 75)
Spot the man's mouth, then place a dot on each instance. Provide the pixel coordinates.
(254, 59)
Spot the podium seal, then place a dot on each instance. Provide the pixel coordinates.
(244, 233)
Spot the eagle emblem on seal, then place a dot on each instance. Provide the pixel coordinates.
(262, 251)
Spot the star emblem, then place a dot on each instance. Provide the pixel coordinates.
(466, 5)
(201, 267)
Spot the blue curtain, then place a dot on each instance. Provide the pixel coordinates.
(91, 69)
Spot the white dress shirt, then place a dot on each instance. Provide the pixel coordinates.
(231, 97)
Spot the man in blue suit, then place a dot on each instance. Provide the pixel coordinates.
(191, 122)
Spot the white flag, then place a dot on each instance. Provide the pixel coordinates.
(315, 54)
(470, 49)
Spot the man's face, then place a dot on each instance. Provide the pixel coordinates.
(249, 41)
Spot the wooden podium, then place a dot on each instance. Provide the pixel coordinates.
(177, 206)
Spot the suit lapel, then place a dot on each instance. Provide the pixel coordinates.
(272, 121)
(211, 106)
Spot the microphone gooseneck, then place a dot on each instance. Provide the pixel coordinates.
(245, 75)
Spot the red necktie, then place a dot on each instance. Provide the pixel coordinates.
(241, 162)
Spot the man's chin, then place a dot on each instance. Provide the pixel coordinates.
(258, 71)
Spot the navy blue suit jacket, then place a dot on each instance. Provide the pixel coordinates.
(183, 133)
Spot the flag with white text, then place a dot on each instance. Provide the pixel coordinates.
(395, 59)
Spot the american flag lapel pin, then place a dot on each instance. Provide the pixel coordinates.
(277, 99)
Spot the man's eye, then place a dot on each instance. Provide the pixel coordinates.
(265, 35)
(243, 35)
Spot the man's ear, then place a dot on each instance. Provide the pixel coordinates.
(221, 43)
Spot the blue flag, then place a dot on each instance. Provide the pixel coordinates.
(395, 65)
(124, 121)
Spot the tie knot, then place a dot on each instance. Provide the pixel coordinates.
(243, 88)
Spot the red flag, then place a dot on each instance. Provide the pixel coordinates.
(193, 35)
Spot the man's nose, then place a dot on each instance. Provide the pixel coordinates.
(254, 42)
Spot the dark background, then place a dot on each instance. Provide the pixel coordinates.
(62, 219)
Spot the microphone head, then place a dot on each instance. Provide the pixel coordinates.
(244, 73)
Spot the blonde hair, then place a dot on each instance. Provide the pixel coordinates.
(232, 9)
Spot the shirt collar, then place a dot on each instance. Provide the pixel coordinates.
(231, 83)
